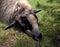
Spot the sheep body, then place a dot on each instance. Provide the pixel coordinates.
(8, 8)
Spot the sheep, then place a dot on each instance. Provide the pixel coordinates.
(19, 15)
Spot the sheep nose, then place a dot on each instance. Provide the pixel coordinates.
(38, 38)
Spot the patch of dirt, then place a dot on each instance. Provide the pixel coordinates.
(9, 41)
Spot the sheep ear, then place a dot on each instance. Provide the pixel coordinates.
(36, 11)
(11, 25)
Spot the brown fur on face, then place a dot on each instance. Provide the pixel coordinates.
(32, 19)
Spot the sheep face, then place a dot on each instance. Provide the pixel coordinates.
(28, 23)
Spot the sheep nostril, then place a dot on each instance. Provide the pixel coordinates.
(38, 38)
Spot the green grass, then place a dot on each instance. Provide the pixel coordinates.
(3, 36)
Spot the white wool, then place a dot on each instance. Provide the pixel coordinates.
(11, 7)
